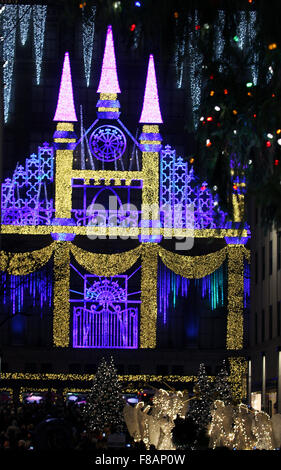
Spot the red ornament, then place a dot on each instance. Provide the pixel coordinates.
(211, 77)
(203, 188)
(197, 27)
(268, 143)
(225, 91)
(276, 162)
(209, 118)
(255, 115)
(235, 186)
(132, 27)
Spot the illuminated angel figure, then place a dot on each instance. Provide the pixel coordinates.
(221, 426)
(107, 143)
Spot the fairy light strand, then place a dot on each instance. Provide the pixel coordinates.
(88, 33)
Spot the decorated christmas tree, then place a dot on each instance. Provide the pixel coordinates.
(105, 403)
(222, 390)
(200, 407)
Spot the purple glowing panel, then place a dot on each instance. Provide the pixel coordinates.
(109, 80)
(151, 113)
(181, 191)
(65, 111)
(106, 320)
(107, 143)
(26, 198)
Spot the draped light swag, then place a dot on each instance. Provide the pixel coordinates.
(193, 266)
(106, 264)
(21, 264)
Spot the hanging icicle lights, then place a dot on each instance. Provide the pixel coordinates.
(22, 292)
(24, 19)
(195, 66)
(9, 44)
(219, 41)
(88, 33)
(39, 22)
(173, 286)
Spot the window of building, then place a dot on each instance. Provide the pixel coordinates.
(270, 322)
(278, 250)
(262, 326)
(278, 319)
(263, 262)
(270, 258)
(256, 268)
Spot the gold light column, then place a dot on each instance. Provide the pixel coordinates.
(61, 316)
(149, 271)
(235, 308)
(237, 378)
(64, 139)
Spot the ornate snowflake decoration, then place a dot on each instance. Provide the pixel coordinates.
(107, 143)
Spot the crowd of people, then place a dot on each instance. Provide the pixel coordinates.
(49, 425)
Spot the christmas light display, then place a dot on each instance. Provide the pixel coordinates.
(105, 402)
(109, 80)
(180, 189)
(151, 113)
(33, 290)
(9, 44)
(219, 41)
(26, 197)
(65, 111)
(170, 284)
(39, 22)
(195, 65)
(24, 16)
(88, 32)
(107, 315)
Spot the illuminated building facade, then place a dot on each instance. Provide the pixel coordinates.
(128, 253)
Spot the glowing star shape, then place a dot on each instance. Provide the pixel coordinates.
(151, 113)
(65, 111)
(109, 79)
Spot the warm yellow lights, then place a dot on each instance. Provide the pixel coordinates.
(237, 377)
(235, 296)
(61, 315)
(148, 321)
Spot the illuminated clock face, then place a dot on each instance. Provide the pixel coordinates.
(107, 143)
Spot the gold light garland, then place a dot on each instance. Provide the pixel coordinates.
(20, 264)
(61, 315)
(237, 377)
(149, 295)
(193, 266)
(234, 338)
(106, 264)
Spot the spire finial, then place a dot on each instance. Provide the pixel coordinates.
(151, 113)
(109, 79)
(65, 111)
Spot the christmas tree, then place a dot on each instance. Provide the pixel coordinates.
(105, 403)
(200, 407)
(222, 390)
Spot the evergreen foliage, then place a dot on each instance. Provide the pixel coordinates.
(105, 402)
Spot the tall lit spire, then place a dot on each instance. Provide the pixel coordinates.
(65, 111)
(109, 79)
(151, 113)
